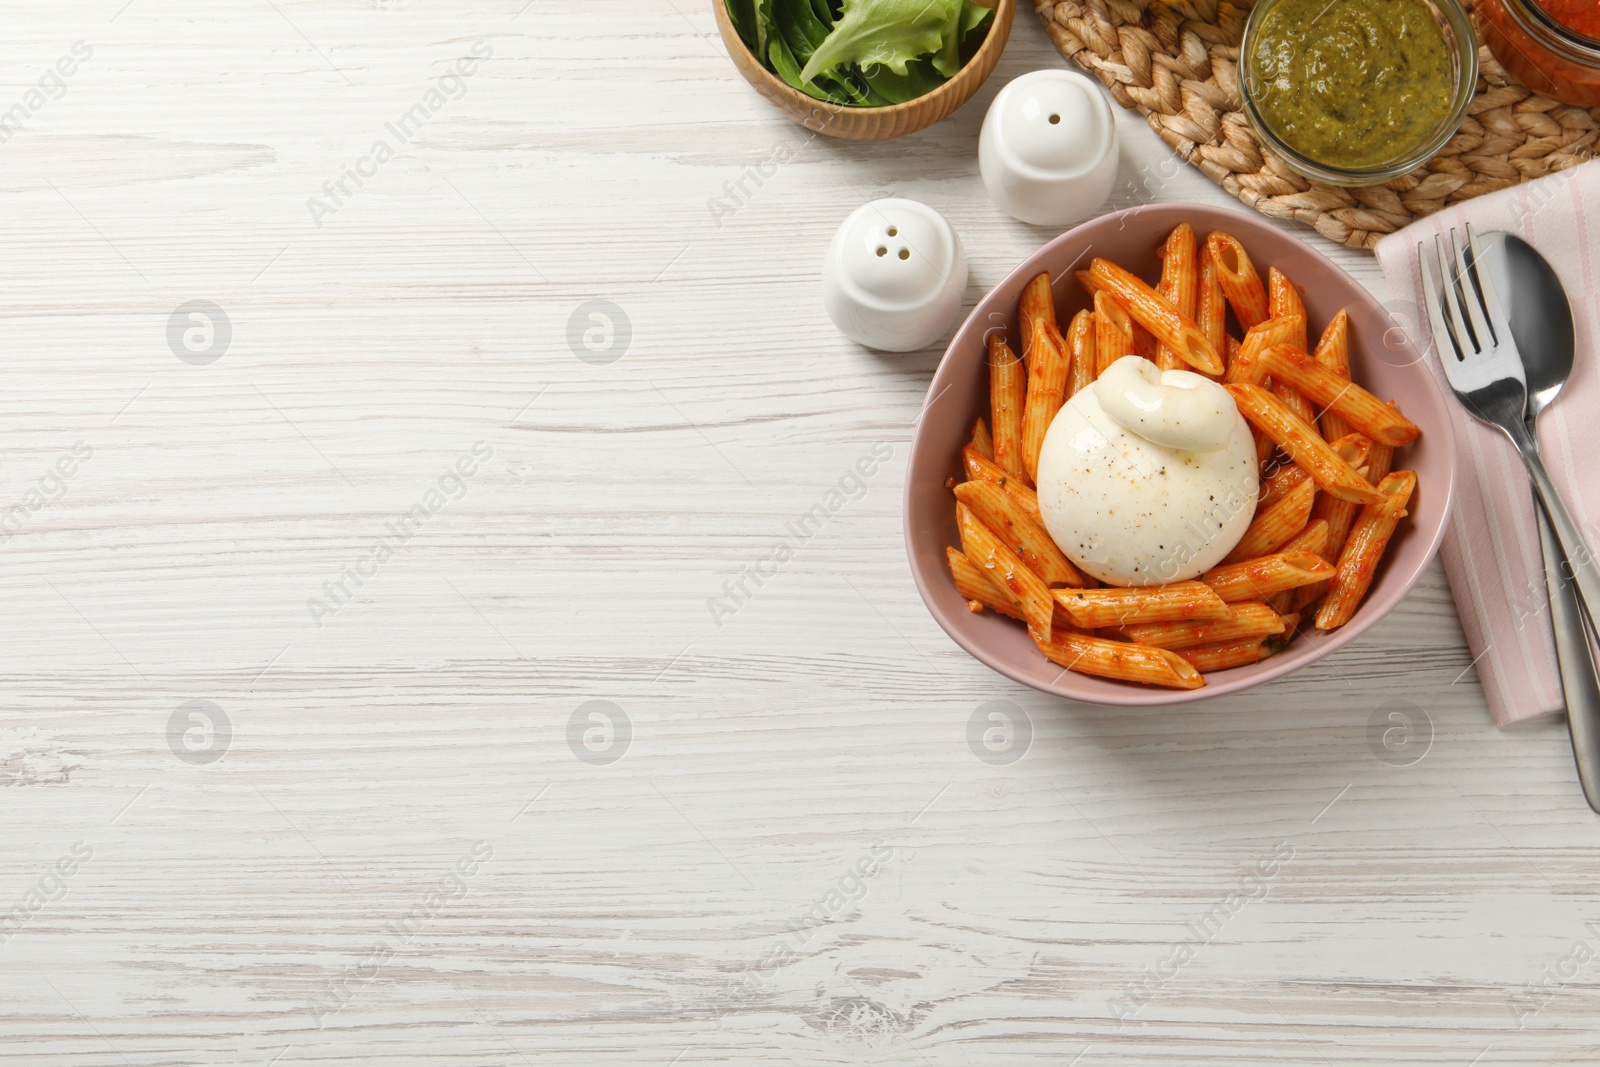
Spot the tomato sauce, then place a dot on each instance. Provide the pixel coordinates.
(1581, 16)
(1553, 50)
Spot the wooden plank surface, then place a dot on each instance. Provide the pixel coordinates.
(400, 831)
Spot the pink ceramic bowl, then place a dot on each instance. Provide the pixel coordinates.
(1382, 359)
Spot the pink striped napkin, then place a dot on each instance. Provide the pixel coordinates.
(1491, 551)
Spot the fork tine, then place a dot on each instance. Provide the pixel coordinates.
(1433, 280)
(1472, 296)
(1491, 298)
(1453, 297)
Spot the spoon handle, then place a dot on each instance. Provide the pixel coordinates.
(1579, 562)
(1580, 678)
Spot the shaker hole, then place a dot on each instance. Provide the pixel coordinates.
(882, 251)
(905, 253)
(1055, 120)
(893, 232)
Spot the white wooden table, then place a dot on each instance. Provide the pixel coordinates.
(382, 840)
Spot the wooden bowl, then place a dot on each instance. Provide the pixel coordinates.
(871, 123)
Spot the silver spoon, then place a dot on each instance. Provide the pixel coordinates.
(1541, 323)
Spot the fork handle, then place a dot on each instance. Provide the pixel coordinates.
(1580, 676)
(1580, 561)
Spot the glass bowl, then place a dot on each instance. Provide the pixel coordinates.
(1463, 45)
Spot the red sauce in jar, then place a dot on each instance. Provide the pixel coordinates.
(1548, 48)
(1582, 16)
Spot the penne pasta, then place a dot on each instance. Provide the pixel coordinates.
(1113, 334)
(1277, 525)
(1244, 366)
(1380, 460)
(1282, 603)
(1358, 562)
(980, 468)
(1333, 349)
(1146, 307)
(1333, 352)
(1018, 532)
(1225, 654)
(981, 439)
(1047, 391)
(1357, 450)
(1359, 408)
(1080, 349)
(1259, 578)
(1008, 390)
(1284, 302)
(1296, 402)
(1144, 342)
(1093, 609)
(1002, 567)
(1302, 444)
(1036, 308)
(1354, 448)
(1180, 286)
(976, 588)
(1211, 307)
(1307, 597)
(1312, 539)
(1340, 515)
(1246, 620)
(1119, 659)
(1277, 485)
(1141, 343)
(1264, 447)
(1323, 516)
(1240, 282)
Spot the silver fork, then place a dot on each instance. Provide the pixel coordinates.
(1480, 358)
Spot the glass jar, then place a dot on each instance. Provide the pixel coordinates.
(1455, 26)
(1547, 46)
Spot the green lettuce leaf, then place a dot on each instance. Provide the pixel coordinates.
(784, 66)
(971, 16)
(919, 79)
(887, 32)
(802, 31)
(766, 25)
(743, 14)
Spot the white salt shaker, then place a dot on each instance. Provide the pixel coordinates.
(895, 275)
(1048, 150)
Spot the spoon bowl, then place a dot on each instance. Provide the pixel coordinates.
(1539, 312)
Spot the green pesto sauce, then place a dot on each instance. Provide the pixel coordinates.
(1351, 83)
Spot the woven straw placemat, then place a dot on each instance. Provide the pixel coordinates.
(1175, 62)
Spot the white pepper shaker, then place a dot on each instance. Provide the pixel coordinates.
(895, 275)
(1048, 150)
